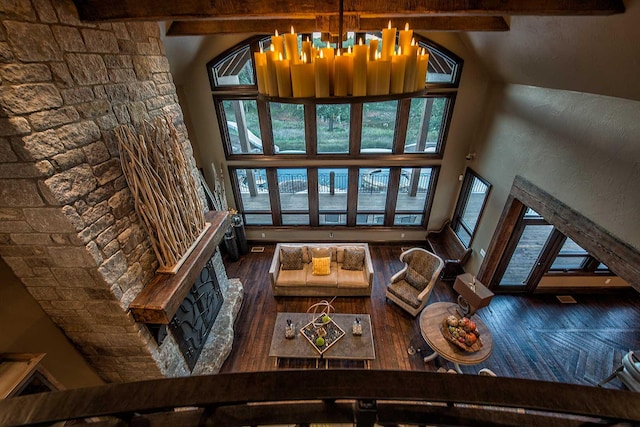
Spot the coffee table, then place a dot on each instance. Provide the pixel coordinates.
(430, 324)
(349, 347)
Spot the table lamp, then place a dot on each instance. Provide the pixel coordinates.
(473, 295)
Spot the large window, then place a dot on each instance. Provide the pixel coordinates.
(471, 201)
(368, 164)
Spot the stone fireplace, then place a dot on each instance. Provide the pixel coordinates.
(68, 228)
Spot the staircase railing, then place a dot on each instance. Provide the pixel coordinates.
(358, 397)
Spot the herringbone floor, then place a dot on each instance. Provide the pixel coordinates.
(535, 336)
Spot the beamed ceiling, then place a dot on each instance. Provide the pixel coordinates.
(199, 17)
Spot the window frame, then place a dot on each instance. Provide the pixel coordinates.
(463, 200)
(271, 160)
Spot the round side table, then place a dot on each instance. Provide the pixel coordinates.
(430, 324)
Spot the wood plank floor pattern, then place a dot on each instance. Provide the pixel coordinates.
(535, 336)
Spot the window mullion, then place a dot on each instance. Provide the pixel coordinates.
(314, 202)
(310, 129)
(352, 197)
(274, 196)
(392, 196)
(402, 120)
(356, 129)
(264, 117)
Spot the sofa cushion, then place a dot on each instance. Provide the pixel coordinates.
(405, 292)
(292, 277)
(291, 258)
(330, 279)
(353, 258)
(352, 279)
(321, 266)
(319, 251)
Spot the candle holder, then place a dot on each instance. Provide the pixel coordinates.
(290, 330)
(356, 329)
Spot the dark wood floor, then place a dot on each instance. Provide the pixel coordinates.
(535, 336)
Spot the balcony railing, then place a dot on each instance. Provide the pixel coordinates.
(358, 397)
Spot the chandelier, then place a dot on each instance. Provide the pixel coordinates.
(294, 69)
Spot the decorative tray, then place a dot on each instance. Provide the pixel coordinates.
(329, 331)
(465, 330)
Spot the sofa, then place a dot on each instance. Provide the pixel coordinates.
(321, 269)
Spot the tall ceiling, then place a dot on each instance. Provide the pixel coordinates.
(583, 45)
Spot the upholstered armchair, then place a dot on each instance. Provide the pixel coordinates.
(411, 287)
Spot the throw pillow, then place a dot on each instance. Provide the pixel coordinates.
(291, 258)
(320, 252)
(415, 279)
(321, 266)
(353, 259)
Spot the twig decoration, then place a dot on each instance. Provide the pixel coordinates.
(163, 188)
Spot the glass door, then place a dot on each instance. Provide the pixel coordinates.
(522, 266)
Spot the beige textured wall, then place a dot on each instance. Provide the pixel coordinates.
(581, 148)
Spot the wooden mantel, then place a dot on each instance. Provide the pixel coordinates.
(160, 298)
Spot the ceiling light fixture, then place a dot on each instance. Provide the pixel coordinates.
(295, 70)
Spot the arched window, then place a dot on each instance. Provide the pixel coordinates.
(365, 164)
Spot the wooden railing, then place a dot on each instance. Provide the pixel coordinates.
(359, 397)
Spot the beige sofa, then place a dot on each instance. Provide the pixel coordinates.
(339, 282)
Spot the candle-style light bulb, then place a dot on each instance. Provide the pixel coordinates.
(272, 48)
(406, 26)
(321, 54)
(349, 50)
(399, 50)
(360, 41)
(292, 32)
(304, 58)
(338, 52)
(389, 26)
(280, 56)
(261, 49)
(413, 41)
(276, 33)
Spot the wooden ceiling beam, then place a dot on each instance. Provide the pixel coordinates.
(156, 10)
(308, 25)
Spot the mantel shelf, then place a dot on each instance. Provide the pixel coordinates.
(160, 298)
(344, 99)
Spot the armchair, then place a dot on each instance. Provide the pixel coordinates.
(411, 287)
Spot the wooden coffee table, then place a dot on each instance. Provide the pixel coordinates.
(430, 324)
(349, 347)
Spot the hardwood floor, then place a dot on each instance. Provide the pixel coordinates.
(535, 336)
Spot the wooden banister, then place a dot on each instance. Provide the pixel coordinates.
(305, 396)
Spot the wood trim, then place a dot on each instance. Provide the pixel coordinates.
(159, 10)
(222, 25)
(218, 392)
(506, 225)
(160, 298)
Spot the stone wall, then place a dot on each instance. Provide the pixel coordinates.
(68, 228)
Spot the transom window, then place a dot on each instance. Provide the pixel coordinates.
(364, 164)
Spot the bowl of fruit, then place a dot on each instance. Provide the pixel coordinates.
(462, 332)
